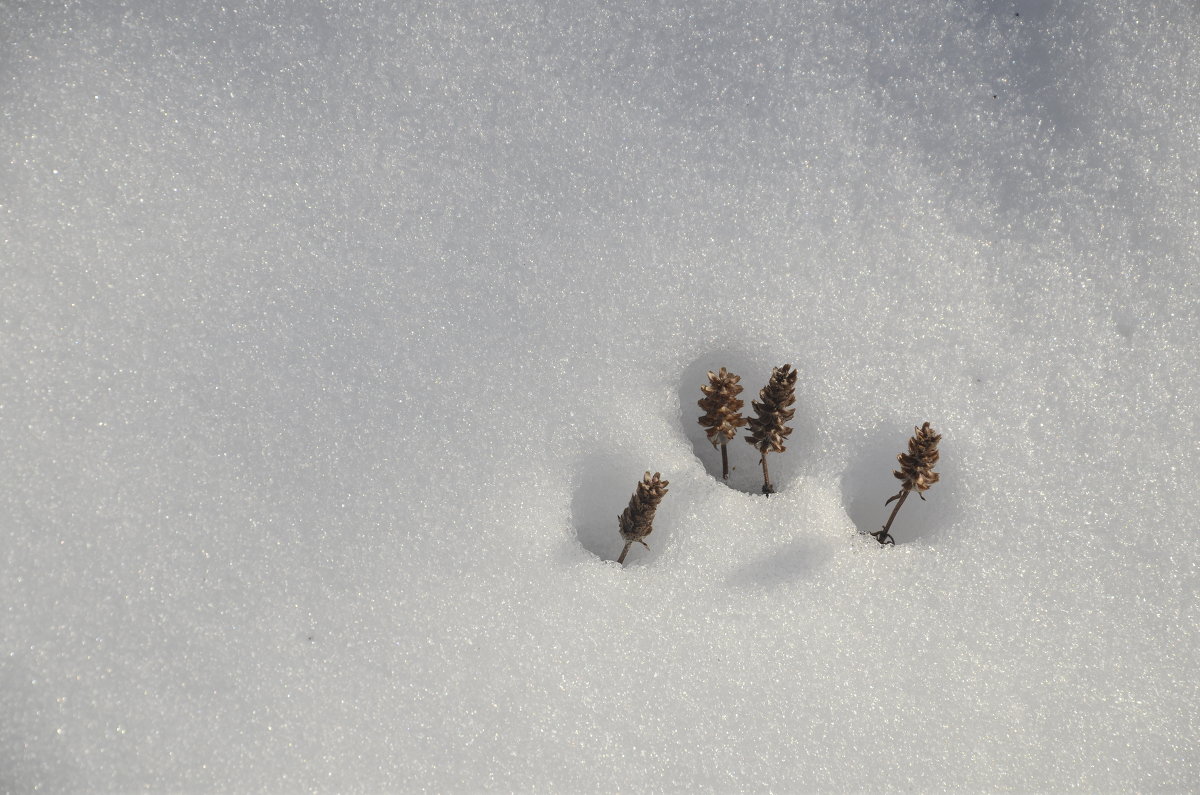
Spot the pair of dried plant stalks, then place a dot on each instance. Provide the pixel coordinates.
(915, 472)
(768, 429)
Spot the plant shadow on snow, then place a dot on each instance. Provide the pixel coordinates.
(745, 470)
(604, 482)
(797, 561)
(868, 482)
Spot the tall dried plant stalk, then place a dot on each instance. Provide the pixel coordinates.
(637, 521)
(768, 429)
(915, 473)
(722, 412)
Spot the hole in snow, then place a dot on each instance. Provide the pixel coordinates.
(867, 483)
(604, 482)
(745, 471)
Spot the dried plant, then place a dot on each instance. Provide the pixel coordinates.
(722, 412)
(637, 521)
(915, 472)
(768, 429)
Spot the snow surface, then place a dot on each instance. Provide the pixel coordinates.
(336, 335)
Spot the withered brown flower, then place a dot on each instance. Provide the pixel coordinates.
(916, 466)
(637, 520)
(769, 428)
(722, 411)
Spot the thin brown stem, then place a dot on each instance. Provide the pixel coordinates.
(767, 489)
(882, 536)
(724, 462)
(624, 552)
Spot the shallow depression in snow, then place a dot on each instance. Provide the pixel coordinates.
(868, 483)
(745, 470)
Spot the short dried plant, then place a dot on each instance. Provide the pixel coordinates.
(637, 521)
(769, 429)
(915, 473)
(722, 412)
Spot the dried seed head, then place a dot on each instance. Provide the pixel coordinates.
(916, 466)
(638, 519)
(722, 407)
(768, 429)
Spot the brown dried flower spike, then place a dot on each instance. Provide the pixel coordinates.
(637, 521)
(916, 472)
(767, 430)
(722, 412)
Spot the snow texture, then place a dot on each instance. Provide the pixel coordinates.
(336, 335)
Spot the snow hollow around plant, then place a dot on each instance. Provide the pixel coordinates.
(336, 335)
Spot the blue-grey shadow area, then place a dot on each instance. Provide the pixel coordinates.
(797, 561)
(868, 482)
(33, 755)
(604, 482)
(745, 470)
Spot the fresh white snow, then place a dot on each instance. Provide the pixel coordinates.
(334, 337)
